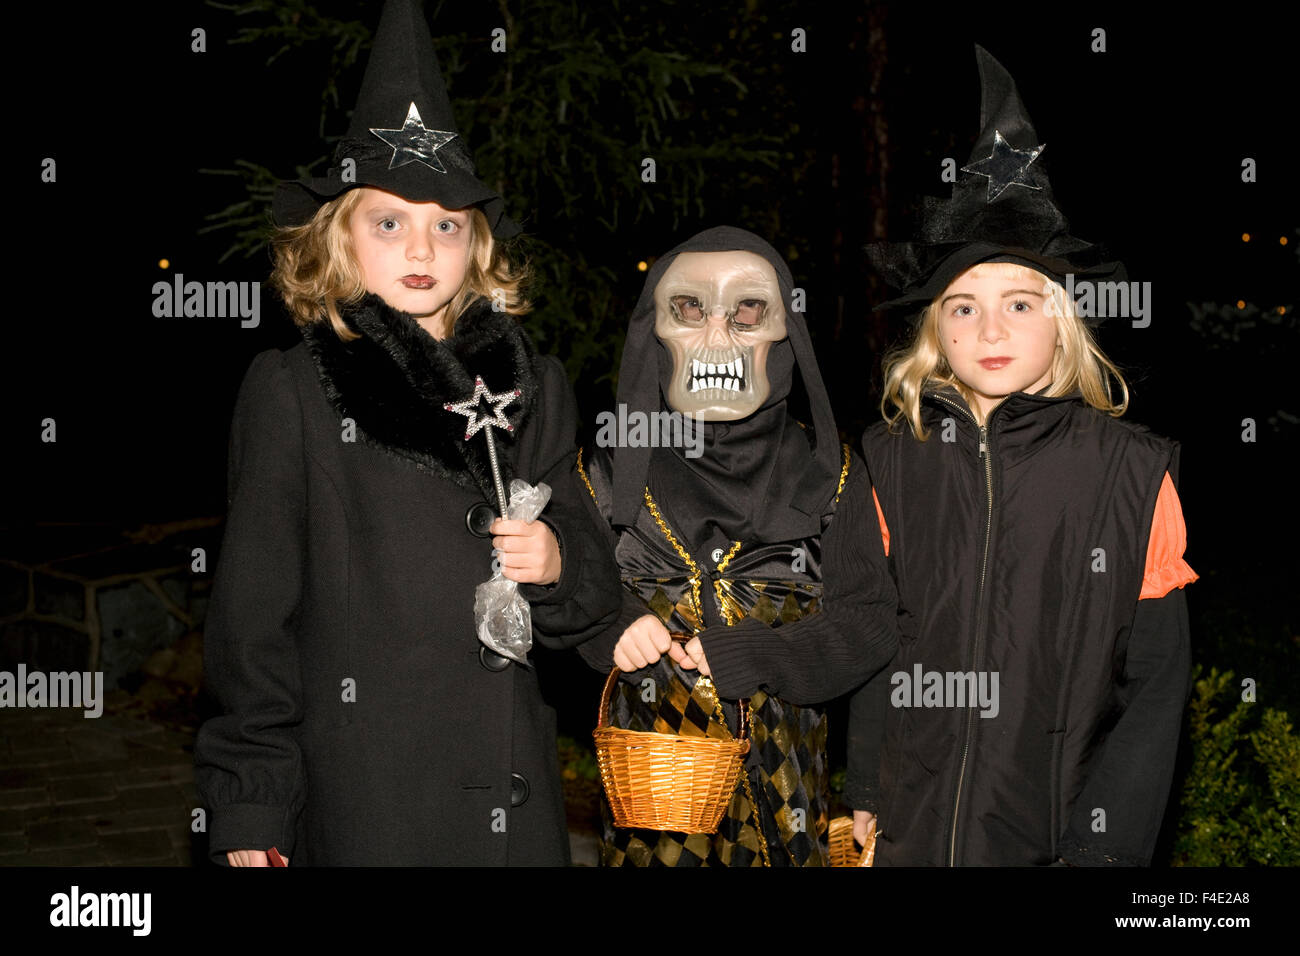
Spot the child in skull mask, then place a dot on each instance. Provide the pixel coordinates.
(755, 544)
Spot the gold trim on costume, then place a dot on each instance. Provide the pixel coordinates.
(844, 472)
(724, 602)
(582, 473)
(731, 618)
(681, 553)
(758, 825)
(722, 565)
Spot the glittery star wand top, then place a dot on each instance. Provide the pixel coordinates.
(486, 420)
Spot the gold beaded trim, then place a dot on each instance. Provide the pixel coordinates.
(717, 586)
(722, 565)
(582, 473)
(699, 616)
(844, 472)
(753, 807)
(681, 553)
(744, 773)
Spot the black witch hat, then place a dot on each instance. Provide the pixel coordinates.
(1001, 210)
(402, 137)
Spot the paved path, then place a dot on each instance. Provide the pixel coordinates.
(105, 791)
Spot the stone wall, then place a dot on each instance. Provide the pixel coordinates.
(94, 597)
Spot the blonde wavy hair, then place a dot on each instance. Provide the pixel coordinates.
(316, 268)
(1079, 363)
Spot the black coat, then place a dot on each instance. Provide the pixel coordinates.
(996, 557)
(349, 563)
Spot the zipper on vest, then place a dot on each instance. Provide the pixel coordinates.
(987, 458)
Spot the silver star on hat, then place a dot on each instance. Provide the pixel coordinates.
(413, 143)
(1005, 166)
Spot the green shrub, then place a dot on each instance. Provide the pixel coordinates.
(577, 761)
(1241, 798)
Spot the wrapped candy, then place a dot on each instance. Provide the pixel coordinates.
(501, 615)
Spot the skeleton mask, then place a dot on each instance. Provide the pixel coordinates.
(718, 313)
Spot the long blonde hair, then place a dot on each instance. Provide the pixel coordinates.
(1079, 362)
(316, 268)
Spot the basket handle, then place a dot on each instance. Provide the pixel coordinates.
(868, 856)
(607, 693)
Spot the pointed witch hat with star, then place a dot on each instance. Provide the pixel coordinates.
(402, 137)
(1001, 210)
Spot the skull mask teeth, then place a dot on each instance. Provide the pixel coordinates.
(718, 314)
(720, 369)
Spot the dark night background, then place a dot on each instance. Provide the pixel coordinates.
(1144, 149)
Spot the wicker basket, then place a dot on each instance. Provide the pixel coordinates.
(844, 849)
(660, 781)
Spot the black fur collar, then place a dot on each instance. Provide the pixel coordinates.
(395, 379)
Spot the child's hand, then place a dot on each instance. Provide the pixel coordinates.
(642, 644)
(691, 656)
(249, 858)
(528, 550)
(864, 821)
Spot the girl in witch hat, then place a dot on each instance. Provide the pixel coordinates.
(1032, 713)
(364, 722)
(750, 534)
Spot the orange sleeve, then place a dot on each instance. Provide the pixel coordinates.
(1166, 568)
(880, 516)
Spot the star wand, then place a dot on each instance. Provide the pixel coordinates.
(485, 421)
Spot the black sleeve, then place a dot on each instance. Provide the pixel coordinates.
(869, 705)
(867, 710)
(824, 655)
(1129, 780)
(599, 651)
(587, 596)
(248, 766)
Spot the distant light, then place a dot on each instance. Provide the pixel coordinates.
(164, 264)
(1282, 240)
(642, 266)
(1241, 304)
(1281, 310)
(1245, 237)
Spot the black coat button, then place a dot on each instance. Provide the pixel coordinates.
(491, 660)
(518, 789)
(479, 518)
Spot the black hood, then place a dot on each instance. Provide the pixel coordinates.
(762, 477)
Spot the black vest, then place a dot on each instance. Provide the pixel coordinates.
(1019, 551)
